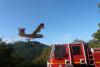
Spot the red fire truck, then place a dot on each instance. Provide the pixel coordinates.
(74, 55)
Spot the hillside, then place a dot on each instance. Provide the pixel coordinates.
(24, 54)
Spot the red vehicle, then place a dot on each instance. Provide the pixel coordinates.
(96, 54)
(74, 55)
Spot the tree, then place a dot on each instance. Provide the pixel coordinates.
(96, 35)
(95, 42)
(5, 55)
(77, 40)
(41, 60)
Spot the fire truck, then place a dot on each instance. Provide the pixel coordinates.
(74, 55)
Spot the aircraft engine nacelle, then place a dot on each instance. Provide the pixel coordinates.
(38, 35)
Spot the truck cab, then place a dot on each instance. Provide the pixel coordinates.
(74, 55)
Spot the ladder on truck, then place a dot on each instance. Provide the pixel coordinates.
(91, 62)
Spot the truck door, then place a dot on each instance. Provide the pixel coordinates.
(77, 54)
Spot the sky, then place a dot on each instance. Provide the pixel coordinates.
(65, 20)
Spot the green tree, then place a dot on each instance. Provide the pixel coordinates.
(95, 42)
(96, 35)
(23, 54)
(77, 40)
(41, 60)
(5, 55)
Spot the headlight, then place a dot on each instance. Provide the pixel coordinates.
(82, 61)
(66, 61)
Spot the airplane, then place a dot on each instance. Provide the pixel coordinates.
(32, 35)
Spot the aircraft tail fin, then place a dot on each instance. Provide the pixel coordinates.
(21, 31)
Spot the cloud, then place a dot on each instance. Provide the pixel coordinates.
(66, 38)
(7, 40)
(12, 40)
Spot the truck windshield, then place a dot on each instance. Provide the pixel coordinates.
(76, 50)
(60, 51)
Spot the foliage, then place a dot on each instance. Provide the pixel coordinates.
(42, 58)
(77, 40)
(95, 42)
(96, 35)
(23, 54)
(5, 55)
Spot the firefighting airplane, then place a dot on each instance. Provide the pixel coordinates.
(32, 35)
